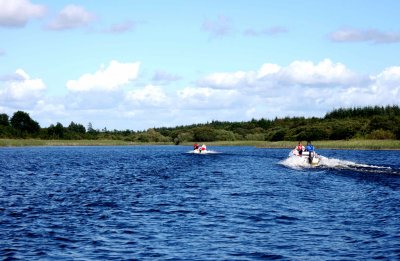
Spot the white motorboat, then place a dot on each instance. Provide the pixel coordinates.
(306, 157)
(200, 151)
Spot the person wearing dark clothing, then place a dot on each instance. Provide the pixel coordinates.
(310, 149)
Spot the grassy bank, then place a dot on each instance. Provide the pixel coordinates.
(328, 144)
(37, 142)
(341, 144)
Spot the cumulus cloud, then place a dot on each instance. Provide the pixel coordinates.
(269, 91)
(71, 17)
(269, 31)
(368, 35)
(275, 90)
(12, 77)
(386, 86)
(207, 98)
(149, 96)
(272, 90)
(108, 78)
(220, 27)
(324, 73)
(227, 80)
(20, 89)
(297, 73)
(17, 13)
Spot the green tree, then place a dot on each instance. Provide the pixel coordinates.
(90, 128)
(203, 134)
(6, 130)
(22, 122)
(278, 135)
(381, 135)
(224, 135)
(152, 135)
(4, 120)
(185, 136)
(77, 128)
(56, 132)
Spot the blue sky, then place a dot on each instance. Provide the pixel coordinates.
(142, 64)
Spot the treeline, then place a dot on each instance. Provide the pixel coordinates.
(340, 124)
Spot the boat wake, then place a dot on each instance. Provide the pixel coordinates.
(203, 152)
(338, 164)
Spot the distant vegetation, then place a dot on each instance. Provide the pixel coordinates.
(377, 123)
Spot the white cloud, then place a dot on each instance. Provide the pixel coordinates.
(20, 90)
(387, 85)
(207, 98)
(72, 16)
(303, 73)
(274, 90)
(17, 13)
(227, 80)
(390, 76)
(308, 73)
(301, 88)
(150, 95)
(359, 35)
(106, 79)
(268, 69)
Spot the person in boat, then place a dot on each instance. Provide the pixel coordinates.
(299, 148)
(195, 146)
(310, 149)
(203, 147)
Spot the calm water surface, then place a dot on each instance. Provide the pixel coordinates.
(161, 203)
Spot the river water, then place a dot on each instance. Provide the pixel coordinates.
(162, 203)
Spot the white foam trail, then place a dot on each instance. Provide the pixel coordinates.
(295, 163)
(332, 163)
(346, 164)
(203, 153)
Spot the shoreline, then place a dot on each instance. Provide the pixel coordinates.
(325, 144)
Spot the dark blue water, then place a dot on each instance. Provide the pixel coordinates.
(160, 203)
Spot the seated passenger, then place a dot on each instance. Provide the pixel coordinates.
(299, 148)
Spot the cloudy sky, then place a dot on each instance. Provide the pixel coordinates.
(137, 64)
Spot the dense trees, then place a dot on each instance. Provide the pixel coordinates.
(4, 121)
(367, 122)
(23, 124)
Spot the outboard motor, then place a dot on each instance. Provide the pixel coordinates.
(311, 156)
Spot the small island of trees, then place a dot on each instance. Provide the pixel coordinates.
(340, 124)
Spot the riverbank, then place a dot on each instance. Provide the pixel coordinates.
(38, 142)
(326, 144)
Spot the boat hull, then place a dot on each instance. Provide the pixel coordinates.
(197, 151)
(306, 158)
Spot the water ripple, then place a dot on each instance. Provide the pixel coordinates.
(160, 203)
